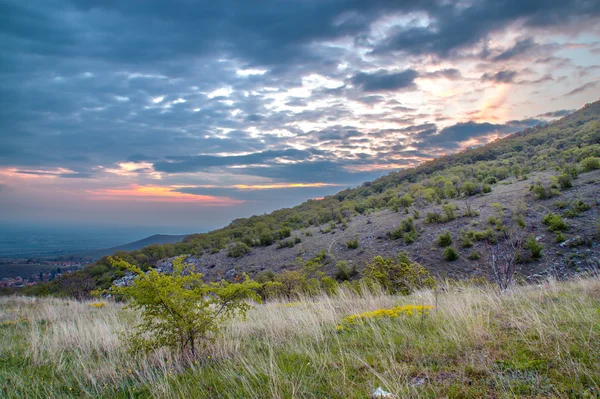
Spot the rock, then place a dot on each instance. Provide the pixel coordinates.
(380, 393)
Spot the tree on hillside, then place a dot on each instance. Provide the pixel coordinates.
(179, 310)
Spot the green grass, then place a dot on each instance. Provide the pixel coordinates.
(534, 341)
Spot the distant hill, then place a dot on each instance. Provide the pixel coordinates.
(133, 246)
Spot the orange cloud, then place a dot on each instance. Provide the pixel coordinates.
(161, 194)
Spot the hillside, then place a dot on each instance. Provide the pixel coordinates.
(156, 239)
(481, 197)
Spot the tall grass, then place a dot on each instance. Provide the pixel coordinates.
(535, 341)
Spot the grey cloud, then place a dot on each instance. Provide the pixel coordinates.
(450, 137)
(499, 77)
(383, 80)
(556, 114)
(581, 89)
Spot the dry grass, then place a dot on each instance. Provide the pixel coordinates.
(535, 341)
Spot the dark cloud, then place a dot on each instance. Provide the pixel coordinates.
(456, 27)
(499, 77)
(451, 137)
(556, 114)
(521, 47)
(581, 89)
(450, 73)
(383, 80)
(194, 163)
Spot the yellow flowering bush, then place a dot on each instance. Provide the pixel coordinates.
(98, 304)
(395, 312)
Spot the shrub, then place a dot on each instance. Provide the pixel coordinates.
(444, 239)
(590, 163)
(238, 249)
(400, 276)
(542, 192)
(266, 238)
(486, 189)
(470, 188)
(474, 255)
(344, 272)
(297, 240)
(352, 244)
(448, 210)
(534, 246)
(450, 254)
(416, 214)
(565, 181)
(285, 244)
(555, 222)
(283, 233)
(179, 310)
(433, 217)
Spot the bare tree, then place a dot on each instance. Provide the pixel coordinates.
(501, 257)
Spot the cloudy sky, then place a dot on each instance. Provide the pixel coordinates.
(191, 113)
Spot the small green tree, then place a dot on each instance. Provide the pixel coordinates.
(179, 310)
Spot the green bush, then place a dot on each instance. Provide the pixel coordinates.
(238, 249)
(179, 310)
(433, 217)
(474, 255)
(344, 272)
(352, 244)
(448, 210)
(565, 181)
(444, 239)
(590, 163)
(450, 254)
(534, 246)
(285, 244)
(555, 222)
(401, 276)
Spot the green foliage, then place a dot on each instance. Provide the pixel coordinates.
(448, 211)
(286, 244)
(486, 188)
(179, 310)
(555, 222)
(266, 238)
(345, 272)
(470, 188)
(401, 276)
(238, 249)
(474, 255)
(406, 231)
(352, 244)
(444, 239)
(534, 246)
(450, 254)
(416, 214)
(590, 163)
(543, 192)
(565, 181)
(433, 217)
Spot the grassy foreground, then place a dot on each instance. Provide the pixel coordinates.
(535, 341)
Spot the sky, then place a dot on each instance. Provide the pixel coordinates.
(189, 114)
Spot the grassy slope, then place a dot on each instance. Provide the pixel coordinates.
(535, 341)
